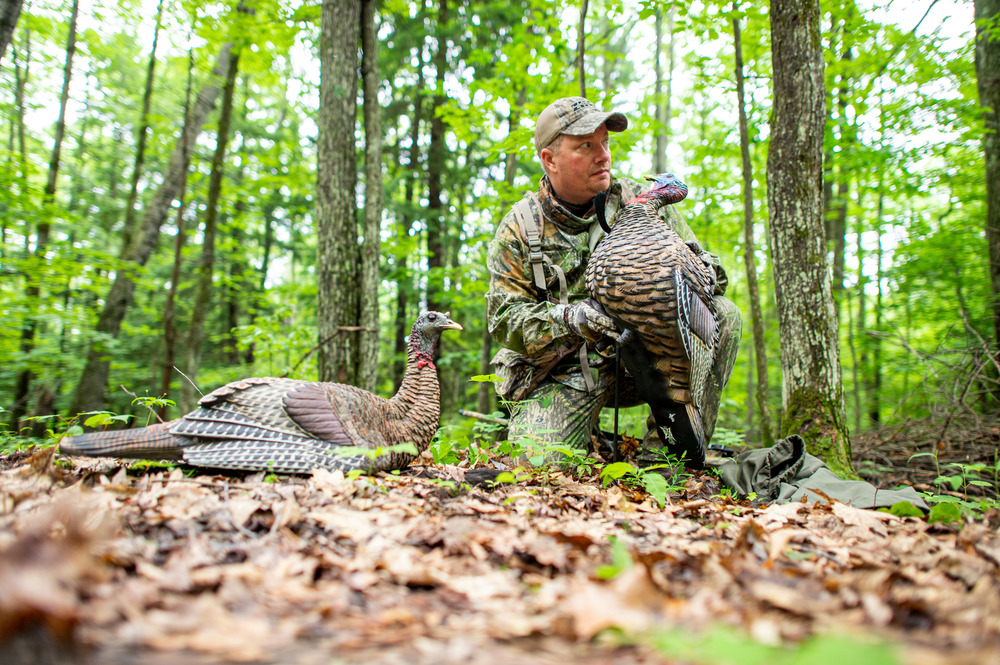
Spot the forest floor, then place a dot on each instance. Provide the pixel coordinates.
(103, 564)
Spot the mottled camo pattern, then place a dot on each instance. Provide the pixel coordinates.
(528, 324)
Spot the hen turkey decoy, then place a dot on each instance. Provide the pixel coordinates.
(292, 426)
(659, 292)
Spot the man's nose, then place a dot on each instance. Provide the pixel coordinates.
(603, 153)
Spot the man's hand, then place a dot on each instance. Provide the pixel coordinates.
(587, 321)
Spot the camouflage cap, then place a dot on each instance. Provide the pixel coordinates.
(575, 116)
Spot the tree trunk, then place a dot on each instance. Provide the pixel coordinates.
(812, 393)
(336, 220)
(988, 82)
(856, 331)
(10, 10)
(169, 318)
(89, 394)
(836, 214)
(33, 290)
(875, 394)
(140, 150)
(663, 101)
(206, 266)
(485, 392)
(749, 262)
(371, 231)
(436, 227)
(402, 276)
(581, 48)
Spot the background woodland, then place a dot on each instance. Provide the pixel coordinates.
(167, 198)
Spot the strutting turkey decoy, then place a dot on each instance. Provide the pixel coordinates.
(659, 292)
(291, 426)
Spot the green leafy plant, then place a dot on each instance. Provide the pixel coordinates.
(648, 479)
(621, 560)
(963, 476)
(374, 453)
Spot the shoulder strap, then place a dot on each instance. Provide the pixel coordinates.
(531, 229)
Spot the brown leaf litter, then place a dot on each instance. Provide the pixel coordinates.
(115, 567)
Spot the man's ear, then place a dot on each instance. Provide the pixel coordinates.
(546, 156)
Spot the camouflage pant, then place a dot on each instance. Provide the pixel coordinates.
(563, 411)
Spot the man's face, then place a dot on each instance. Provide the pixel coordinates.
(580, 167)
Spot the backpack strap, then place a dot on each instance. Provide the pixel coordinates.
(531, 228)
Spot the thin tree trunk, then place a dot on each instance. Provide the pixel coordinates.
(581, 48)
(875, 396)
(336, 215)
(89, 394)
(22, 82)
(406, 223)
(372, 227)
(33, 290)
(988, 84)
(436, 227)
(203, 288)
(485, 392)
(812, 393)
(663, 100)
(837, 209)
(143, 133)
(169, 317)
(749, 262)
(10, 10)
(857, 330)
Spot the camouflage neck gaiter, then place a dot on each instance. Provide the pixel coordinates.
(556, 211)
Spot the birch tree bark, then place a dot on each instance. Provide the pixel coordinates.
(336, 220)
(89, 394)
(812, 392)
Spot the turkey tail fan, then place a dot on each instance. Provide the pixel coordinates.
(699, 332)
(153, 442)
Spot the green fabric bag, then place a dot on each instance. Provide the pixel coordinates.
(785, 472)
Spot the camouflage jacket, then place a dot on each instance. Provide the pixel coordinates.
(528, 322)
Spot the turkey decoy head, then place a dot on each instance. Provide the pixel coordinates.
(427, 331)
(667, 189)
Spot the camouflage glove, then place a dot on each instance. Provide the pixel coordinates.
(587, 320)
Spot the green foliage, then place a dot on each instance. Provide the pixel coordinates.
(903, 136)
(652, 479)
(621, 560)
(945, 512)
(904, 509)
(726, 646)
